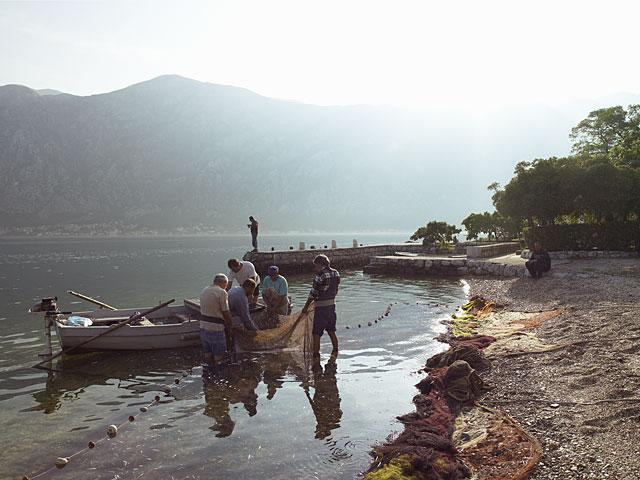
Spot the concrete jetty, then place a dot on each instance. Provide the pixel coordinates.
(301, 260)
(511, 265)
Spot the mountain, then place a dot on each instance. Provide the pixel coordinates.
(174, 152)
(48, 91)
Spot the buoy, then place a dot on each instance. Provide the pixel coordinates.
(359, 325)
(369, 323)
(177, 380)
(157, 398)
(347, 327)
(376, 321)
(144, 409)
(131, 418)
(91, 445)
(112, 430)
(61, 462)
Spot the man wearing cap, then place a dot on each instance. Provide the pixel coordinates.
(275, 291)
(323, 293)
(214, 317)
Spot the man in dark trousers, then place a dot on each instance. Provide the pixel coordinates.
(323, 293)
(539, 262)
(253, 226)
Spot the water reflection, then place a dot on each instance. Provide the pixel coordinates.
(325, 402)
(237, 384)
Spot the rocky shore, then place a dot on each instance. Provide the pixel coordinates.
(581, 399)
(552, 384)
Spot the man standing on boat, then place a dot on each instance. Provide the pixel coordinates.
(323, 293)
(253, 226)
(241, 271)
(214, 317)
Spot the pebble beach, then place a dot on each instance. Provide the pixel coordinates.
(582, 399)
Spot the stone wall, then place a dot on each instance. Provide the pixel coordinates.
(570, 254)
(493, 250)
(441, 267)
(300, 261)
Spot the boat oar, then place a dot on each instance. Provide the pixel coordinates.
(106, 332)
(91, 300)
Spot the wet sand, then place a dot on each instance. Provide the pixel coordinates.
(581, 400)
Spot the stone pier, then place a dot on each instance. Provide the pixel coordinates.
(506, 266)
(301, 261)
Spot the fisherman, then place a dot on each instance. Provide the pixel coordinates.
(539, 262)
(275, 291)
(239, 271)
(253, 226)
(214, 317)
(239, 304)
(323, 293)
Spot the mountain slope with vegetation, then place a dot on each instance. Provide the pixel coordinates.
(173, 152)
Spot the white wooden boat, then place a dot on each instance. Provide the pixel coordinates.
(169, 327)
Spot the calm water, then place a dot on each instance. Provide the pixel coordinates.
(264, 416)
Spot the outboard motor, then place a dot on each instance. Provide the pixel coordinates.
(48, 306)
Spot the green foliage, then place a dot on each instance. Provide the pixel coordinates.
(583, 236)
(435, 232)
(588, 200)
(492, 224)
(610, 132)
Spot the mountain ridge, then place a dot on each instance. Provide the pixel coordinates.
(172, 152)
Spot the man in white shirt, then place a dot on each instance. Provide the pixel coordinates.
(214, 318)
(241, 271)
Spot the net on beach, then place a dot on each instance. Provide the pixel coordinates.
(496, 447)
(293, 331)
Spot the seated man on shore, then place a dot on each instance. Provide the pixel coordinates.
(539, 262)
(214, 317)
(275, 291)
(239, 305)
(239, 271)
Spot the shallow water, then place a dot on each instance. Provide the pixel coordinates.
(267, 415)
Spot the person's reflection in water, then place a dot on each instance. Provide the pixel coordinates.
(235, 384)
(216, 406)
(326, 398)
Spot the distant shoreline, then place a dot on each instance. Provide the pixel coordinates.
(185, 235)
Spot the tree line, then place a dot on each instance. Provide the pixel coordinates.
(592, 193)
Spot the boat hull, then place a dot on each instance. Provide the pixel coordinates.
(174, 327)
(156, 337)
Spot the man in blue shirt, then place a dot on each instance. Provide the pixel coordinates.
(275, 291)
(239, 304)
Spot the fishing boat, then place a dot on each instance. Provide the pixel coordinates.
(162, 327)
(168, 327)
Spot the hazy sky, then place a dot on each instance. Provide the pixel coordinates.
(399, 52)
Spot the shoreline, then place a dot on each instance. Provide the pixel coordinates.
(563, 372)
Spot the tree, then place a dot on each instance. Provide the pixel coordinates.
(478, 223)
(610, 132)
(435, 232)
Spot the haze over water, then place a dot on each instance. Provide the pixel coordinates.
(266, 415)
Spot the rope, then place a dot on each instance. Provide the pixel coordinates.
(112, 431)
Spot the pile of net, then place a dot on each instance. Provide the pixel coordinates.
(424, 450)
(450, 436)
(293, 331)
(494, 446)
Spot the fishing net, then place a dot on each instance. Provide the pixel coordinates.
(469, 353)
(494, 446)
(293, 331)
